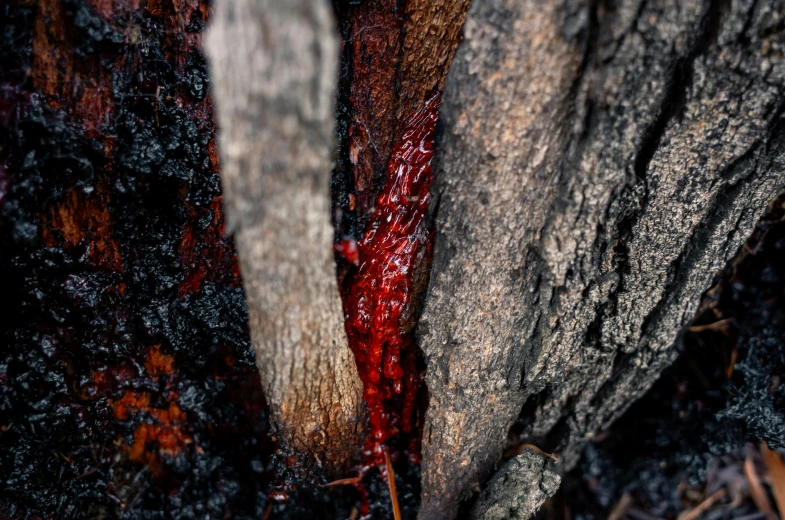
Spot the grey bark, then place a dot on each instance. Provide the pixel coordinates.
(275, 67)
(599, 163)
(517, 490)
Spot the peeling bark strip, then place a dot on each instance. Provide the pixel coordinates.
(598, 166)
(396, 56)
(275, 66)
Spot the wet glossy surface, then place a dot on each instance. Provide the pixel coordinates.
(379, 294)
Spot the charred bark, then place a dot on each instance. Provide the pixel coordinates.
(127, 380)
(709, 408)
(599, 164)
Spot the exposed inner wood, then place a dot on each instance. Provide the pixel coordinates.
(395, 61)
(395, 55)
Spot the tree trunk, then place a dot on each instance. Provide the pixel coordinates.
(599, 164)
(596, 164)
(275, 67)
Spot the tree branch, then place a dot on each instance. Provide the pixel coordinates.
(275, 68)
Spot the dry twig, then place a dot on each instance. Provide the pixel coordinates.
(517, 450)
(697, 511)
(391, 483)
(777, 474)
(619, 510)
(757, 492)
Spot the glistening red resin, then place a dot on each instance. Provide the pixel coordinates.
(379, 295)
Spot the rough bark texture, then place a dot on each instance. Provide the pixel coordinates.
(127, 380)
(517, 490)
(396, 55)
(275, 67)
(599, 164)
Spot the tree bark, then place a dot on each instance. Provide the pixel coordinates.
(599, 163)
(127, 380)
(275, 68)
(517, 490)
